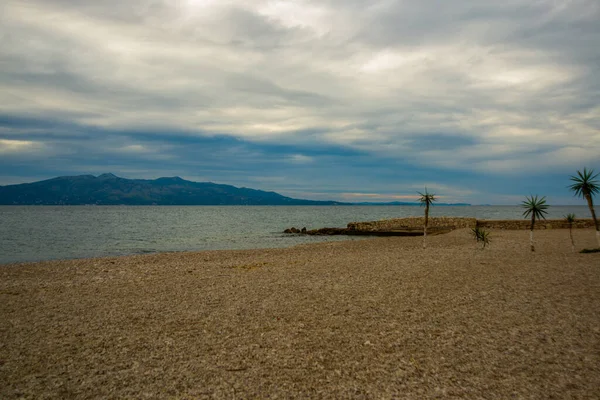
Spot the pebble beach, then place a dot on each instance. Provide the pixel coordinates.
(378, 318)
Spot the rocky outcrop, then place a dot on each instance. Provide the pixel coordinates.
(357, 232)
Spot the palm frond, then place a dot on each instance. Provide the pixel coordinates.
(570, 218)
(426, 198)
(536, 206)
(585, 183)
(484, 237)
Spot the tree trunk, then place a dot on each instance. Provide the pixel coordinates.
(590, 202)
(571, 236)
(426, 222)
(531, 232)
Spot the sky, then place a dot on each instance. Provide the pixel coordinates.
(482, 101)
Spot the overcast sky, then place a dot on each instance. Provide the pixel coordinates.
(481, 101)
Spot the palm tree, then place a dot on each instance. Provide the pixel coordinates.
(481, 235)
(476, 232)
(585, 185)
(427, 200)
(570, 218)
(535, 207)
(484, 237)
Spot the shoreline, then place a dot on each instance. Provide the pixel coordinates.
(375, 318)
(407, 226)
(317, 241)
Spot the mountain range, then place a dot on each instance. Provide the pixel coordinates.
(109, 189)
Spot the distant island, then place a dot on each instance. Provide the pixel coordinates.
(109, 189)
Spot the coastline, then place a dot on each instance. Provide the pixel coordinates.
(32, 234)
(380, 317)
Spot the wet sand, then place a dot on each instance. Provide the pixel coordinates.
(377, 318)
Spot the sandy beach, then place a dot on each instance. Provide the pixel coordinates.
(378, 318)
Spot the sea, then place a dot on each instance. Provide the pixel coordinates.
(36, 233)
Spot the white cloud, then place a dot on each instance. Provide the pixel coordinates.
(299, 14)
(18, 146)
(301, 159)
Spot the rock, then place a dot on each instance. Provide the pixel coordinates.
(303, 230)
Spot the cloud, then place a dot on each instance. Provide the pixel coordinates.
(375, 197)
(347, 91)
(301, 159)
(17, 146)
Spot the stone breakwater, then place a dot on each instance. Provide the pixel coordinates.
(413, 226)
(460, 222)
(413, 223)
(517, 224)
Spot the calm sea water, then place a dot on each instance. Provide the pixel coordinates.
(33, 233)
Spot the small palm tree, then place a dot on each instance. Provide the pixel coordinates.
(426, 200)
(585, 185)
(535, 207)
(570, 218)
(484, 237)
(481, 235)
(476, 232)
